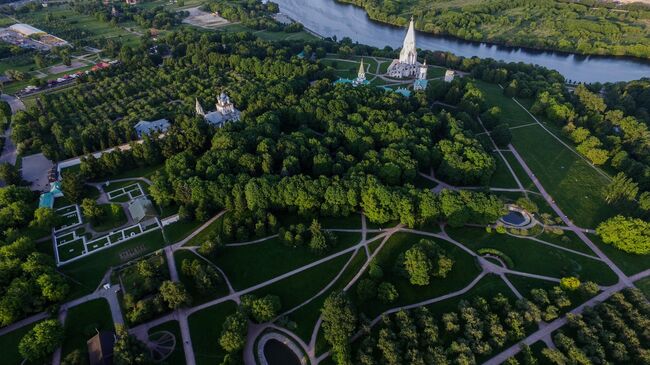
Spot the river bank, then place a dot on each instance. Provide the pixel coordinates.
(329, 18)
(430, 22)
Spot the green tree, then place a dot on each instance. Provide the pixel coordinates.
(91, 210)
(128, 350)
(41, 341)
(72, 186)
(417, 265)
(233, 333)
(628, 234)
(339, 323)
(45, 218)
(10, 174)
(175, 294)
(387, 293)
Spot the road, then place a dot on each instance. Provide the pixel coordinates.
(9, 154)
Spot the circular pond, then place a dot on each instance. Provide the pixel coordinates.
(514, 218)
(277, 353)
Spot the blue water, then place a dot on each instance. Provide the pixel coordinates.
(329, 18)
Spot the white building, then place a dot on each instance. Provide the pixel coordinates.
(421, 81)
(225, 112)
(145, 127)
(449, 75)
(407, 65)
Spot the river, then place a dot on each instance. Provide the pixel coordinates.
(329, 18)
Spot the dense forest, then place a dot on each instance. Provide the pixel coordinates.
(585, 27)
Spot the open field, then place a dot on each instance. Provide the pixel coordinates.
(574, 184)
(463, 272)
(532, 257)
(9, 345)
(205, 328)
(178, 355)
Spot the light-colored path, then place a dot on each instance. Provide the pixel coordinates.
(578, 231)
(553, 326)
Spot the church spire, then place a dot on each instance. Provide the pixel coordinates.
(199, 108)
(362, 71)
(408, 54)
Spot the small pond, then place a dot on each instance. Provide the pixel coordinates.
(514, 218)
(277, 353)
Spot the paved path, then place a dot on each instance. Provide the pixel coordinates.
(553, 326)
(578, 231)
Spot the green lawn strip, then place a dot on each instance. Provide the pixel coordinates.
(487, 288)
(283, 36)
(89, 270)
(71, 250)
(130, 184)
(300, 287)
(464, 271)
(574, 184)
(629, 263)
(519, 171)
(511, 113)
(9, 345)
(205, 329)
(178, 355)
(176, 232)
(502, 177)
(107, 221)
(197, 297)
(532, 257)
(306, 317)
(83, 322)
(568, 240)
(214, 227)
(252, 264)
(644, 286)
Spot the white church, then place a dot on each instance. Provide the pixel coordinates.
(226, 111)
(407, 65)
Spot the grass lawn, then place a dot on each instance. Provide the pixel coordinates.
(82, 323)
(178, 231)
(519, 171)
(487, 288)
(178, 355)
(629, 263)
(644, 286)
(568, 240)
(529, 256)
(298, 288)
(502, 178)
(205, 329)
(146, 171)
(70, 250)
(197, 297)
(214, 227)
(306, 317)
(574, 184)
(463, 272)
(108, 221)
(283, 36)
(256, 263)
(89, 271)
(9, 345)
(511, 113)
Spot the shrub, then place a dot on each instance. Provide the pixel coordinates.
(570, 283)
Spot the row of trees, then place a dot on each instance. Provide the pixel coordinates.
(611, 332)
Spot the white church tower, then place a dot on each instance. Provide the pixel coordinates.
(361, 75)
(422, 74)
(409, 53)
(199, 108)
(407, 65)
(224, 106)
